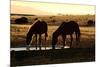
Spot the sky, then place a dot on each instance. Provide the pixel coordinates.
(43, 8)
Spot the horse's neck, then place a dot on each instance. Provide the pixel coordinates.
(31, 31)
(56, 33)
(35, 22)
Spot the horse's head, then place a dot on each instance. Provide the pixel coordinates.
(28, 39)
(54, 40)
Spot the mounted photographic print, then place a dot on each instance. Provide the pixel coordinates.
(51, 33)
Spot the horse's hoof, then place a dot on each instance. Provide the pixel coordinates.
(53, 48)
(62, 47)
(28, 49)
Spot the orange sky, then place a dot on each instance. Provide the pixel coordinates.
(40, 8)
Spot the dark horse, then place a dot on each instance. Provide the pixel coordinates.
(39, 28)
(66, 28)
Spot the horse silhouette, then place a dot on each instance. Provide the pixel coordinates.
(66, 28)
(39, 28)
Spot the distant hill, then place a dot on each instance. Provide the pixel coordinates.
(23, 14)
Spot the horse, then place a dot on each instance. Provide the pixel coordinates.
(38, 28)
(66, 28)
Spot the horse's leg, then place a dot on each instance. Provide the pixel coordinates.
(40, 41)
(45, 40)
(36, 41)
(77, 39)
(28, 48)
(71, 40)
(63, 36)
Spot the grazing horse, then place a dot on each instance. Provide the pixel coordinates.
(39, 28)
(66, 28)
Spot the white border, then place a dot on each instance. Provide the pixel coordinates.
(4, 33)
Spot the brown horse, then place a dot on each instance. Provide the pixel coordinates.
(39, 28)
(66, 28)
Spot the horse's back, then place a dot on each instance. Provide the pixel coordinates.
(43, 27)
(39, 27)
(73, 23)
(68, 27)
